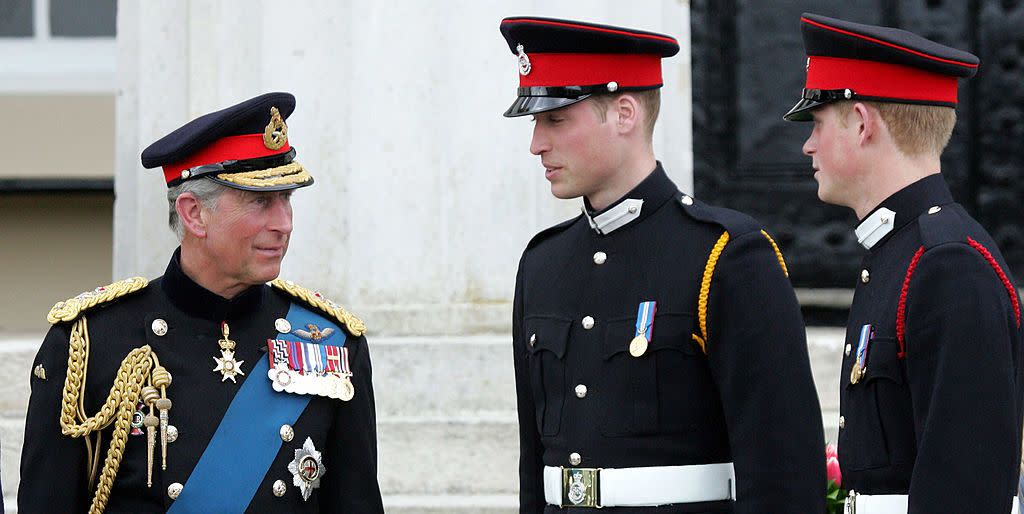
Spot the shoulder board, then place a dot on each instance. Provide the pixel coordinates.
(941, 226)
(734, 222)
(70, 309)
(352, 324)
(550, 231)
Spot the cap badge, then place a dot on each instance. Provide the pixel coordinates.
(275, 135)
(524, 61)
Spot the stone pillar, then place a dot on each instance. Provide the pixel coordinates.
(424, 198)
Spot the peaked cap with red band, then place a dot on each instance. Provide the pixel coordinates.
(562, 62)
(244, 146)
(847, 60)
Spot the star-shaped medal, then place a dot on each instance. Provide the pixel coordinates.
(306, 469)
(228, 366)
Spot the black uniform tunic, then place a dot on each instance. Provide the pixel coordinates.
(937, 413)
(750, 399)
(54, 467)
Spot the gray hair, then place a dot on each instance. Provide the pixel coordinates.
(206, 191)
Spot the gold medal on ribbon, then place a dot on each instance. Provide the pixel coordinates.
(856, 373)
(638, 346)
(346, 391)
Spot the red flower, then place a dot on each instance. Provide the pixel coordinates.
(831, 451)
(832, 470)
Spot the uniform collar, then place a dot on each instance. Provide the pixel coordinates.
(636, 205)
(901, 208)
(197, 301)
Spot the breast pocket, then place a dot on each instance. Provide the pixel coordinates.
(879, 425)
(655, 392)
(547, 341)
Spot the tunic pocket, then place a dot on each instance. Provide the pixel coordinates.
(546, 343)
(651, 393)
(879, 427)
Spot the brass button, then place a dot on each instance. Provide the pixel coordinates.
(934, 209)
(600, 258)
(581, 391)
(280, 488)
(632, 209)
(174, 490)
(686, 200)
(842, 421)
(588, 322)
(533, 340)
(575, 459)
(849, 348)
(287, 433)
(282, 325)
(172, 433)
(865, 276)
(159, 327)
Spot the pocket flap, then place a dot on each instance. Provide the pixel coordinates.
(883, 362)
(545, 333)
(669, 332)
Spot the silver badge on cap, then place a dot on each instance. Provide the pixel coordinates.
(524, 61)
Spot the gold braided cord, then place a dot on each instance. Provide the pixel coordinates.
(291, 173)
(699, 341)
(778, 253)
(705, 285)
(71, 308)
(117, 409)
(354, 325)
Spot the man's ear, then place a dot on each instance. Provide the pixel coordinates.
(627, 110)
(867, 121)
(190, 212)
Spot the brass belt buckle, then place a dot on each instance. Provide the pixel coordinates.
(581, 487)
(850, 505)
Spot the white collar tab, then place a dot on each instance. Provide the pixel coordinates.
(616, 217)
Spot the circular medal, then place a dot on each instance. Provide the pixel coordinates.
(855, 373)
(638, 346)
(347, 390)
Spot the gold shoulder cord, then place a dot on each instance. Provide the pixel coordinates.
(354, 325)
(705, 290)
(140, 368)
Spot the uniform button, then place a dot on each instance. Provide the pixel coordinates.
(632, 209)
(287, 433)
(849, 348)
(581, 391)
(172, 433)
(842, 422)
(865, 276)
(934, 209)
(686, 200)
(282, 325)
(588, 322)
(533, 339)
(174, 490)
(280, 488)
(159, 327)
(600, 257)
(575, 459)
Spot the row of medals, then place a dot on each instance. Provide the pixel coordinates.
(338, 386)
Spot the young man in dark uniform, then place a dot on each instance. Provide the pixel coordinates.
(660, 356)
(930, 396)
(207, 389)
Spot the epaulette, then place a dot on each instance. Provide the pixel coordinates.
(940, 225)
(72, 308)
(734, 222)
(352, 324)
(550, 231)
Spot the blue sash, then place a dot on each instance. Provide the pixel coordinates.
(248, 439)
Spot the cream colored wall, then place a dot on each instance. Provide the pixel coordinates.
(52, 246)
(58, 136)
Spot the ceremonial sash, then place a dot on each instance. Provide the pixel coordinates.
(248, 438)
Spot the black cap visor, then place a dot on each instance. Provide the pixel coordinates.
(526, 105)
(802, 110)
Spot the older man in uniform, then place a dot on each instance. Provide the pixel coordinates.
(207, 389)
(930, 394)
(660, 357)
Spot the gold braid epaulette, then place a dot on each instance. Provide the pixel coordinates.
(354, 325)
(70, 309)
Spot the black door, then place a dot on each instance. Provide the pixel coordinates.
(748, 69)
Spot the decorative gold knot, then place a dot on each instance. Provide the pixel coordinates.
(275, 136)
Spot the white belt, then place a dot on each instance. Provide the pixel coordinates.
(887, 504)
(639, 487)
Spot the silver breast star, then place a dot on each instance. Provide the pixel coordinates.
(228, 366)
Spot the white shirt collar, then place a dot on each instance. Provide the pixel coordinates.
(875, 227)
(616, 217)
